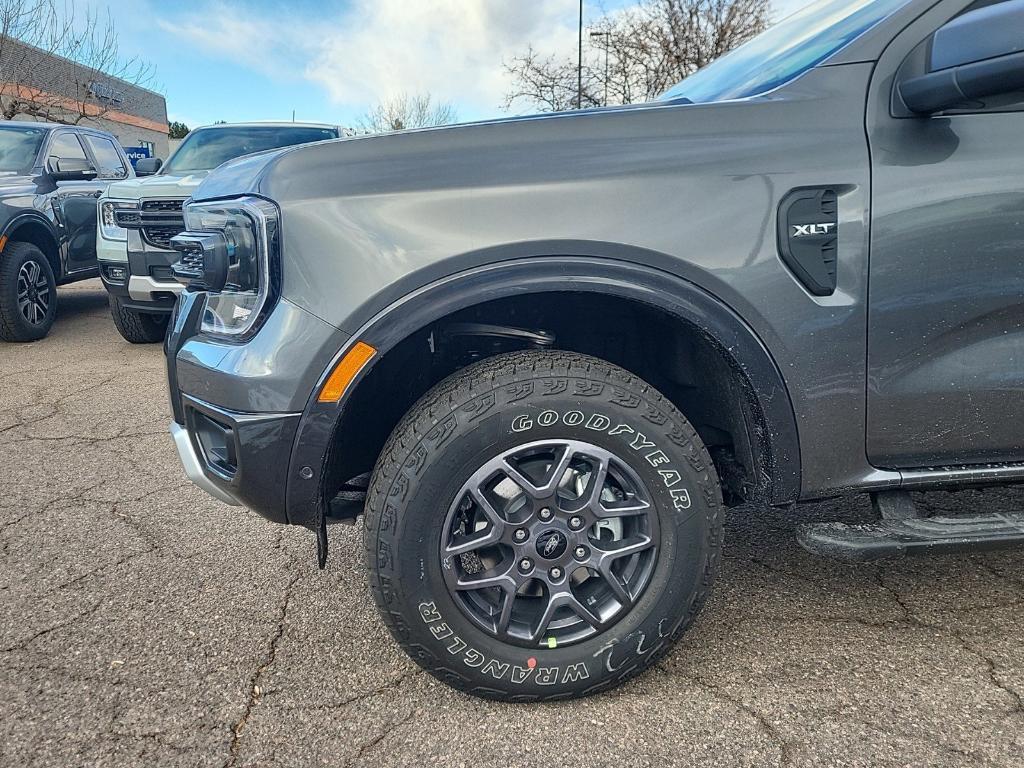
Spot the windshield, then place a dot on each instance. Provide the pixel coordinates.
(206, 148)
(785, 51)
(19, 148)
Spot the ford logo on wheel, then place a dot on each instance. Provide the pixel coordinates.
(551, 545)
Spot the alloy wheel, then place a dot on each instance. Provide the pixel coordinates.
(549, 543)
(33, 292)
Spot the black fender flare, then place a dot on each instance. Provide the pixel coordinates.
(675, 296)
(32, 217)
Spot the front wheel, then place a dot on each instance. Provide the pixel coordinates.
(138, 327)
(28, 293)
(542, 525)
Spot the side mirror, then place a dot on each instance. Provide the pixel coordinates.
(71, 169)
(975, 56)
(147, 166)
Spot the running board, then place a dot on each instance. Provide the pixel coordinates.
(890, 539)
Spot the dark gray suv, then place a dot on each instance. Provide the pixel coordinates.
(543, 354)
(50, 178)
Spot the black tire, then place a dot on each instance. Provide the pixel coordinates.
(496, 406)
(27, 306)
(138, 327)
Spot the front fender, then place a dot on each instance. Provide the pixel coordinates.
(682, 299)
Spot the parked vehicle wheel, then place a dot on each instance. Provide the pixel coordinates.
(542, 525)
(28, 293)
(138, 327)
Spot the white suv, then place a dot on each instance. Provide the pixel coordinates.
(138, 217)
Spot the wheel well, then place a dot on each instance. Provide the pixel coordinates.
(39, 235)
(681, 361)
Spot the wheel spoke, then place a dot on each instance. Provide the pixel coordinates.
(561, 464)
(564, 598)
(500, 576)
(624, 508)
(463, 543)
(624, 548)
(501, 625)
(617, 587)
(545, 618)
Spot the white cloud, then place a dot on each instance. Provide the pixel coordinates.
(273, 45)
(452, 49)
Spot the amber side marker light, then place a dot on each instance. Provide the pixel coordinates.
(347, 369)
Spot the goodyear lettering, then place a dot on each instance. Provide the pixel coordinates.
(657, 458)
(573, 418)
(547, 418)
(640, 442)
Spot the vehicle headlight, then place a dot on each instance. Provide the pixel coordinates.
(113, 213)
(229, 249)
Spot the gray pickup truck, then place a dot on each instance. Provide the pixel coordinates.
(543, 355)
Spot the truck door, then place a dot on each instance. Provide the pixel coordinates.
(945, 373)
(75, 204)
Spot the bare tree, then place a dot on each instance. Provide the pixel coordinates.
(401, 112)
(86, 81)
(639, 53)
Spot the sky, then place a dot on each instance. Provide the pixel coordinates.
(331, 60)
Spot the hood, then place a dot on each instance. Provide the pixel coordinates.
(160, 185)
(248, 174)
(16, 184)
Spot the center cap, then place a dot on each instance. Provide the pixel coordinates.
(551, 545)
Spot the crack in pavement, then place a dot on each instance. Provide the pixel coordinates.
(786, 747)
(389, 730)
(255, 694)
(23, 644)
(990, 663)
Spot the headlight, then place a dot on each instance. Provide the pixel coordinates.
(229, 249)
(111, 219)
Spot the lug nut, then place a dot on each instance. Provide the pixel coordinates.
(525, 565)
(555, 573)
(575, 522)
(580, 553)
(520, 534)
(545, 514)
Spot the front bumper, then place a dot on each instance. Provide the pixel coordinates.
(150, 286)
(193, 465)
(237, 407)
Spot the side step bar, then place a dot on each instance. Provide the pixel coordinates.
(894, 538)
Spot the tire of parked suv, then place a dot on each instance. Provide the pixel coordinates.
(28, 293)
(441, 486)
(138, 327)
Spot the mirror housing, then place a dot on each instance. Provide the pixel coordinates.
(973, 57)
(71, 169)
(147, 166)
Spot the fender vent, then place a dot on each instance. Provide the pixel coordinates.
(809, 236)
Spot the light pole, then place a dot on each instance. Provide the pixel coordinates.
(607, 35)
(579, 66)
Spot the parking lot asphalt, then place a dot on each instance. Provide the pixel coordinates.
(143, 623)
